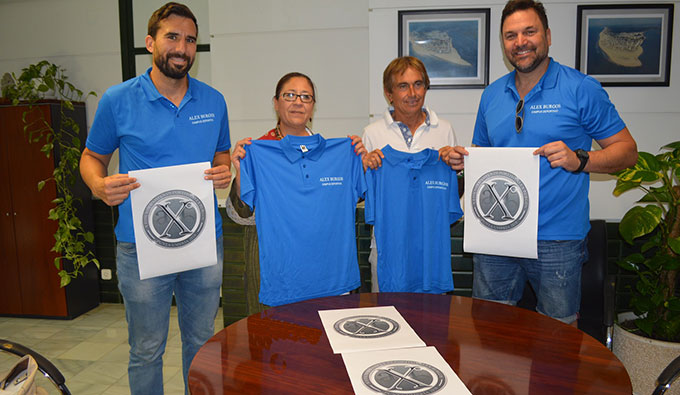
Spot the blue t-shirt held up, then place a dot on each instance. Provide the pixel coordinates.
(305, 191)
(412, 200)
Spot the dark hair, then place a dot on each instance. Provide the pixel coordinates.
(398, 66)
(520, 5)
(164, 12)
(290, 76)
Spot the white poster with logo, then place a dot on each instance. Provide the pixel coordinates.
(501, 201)
(173, 215)
(368, 328)
(420, 370)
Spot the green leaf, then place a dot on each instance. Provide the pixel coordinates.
(89, 237)
(673, 145)
(41, 185)
(647, 161)
(632, 262)
(674, 243)
(656, 195)
(623, 186)
(639, 221)
(65, 278)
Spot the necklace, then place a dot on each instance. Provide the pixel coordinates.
(280, 136)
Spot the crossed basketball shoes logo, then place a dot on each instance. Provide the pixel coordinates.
(366, 326)
(174, 218)
(404, 377)
(500, 200)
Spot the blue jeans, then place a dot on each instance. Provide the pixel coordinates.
(555, 277)
(147, 310)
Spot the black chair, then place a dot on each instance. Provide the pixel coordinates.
(44, 365)
(596, 316)
(667, 377)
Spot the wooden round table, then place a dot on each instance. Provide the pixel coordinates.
(493, 348)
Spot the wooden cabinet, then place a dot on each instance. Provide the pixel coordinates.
(29, 284)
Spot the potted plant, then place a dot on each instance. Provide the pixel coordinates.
(35, 83)
(655, 302)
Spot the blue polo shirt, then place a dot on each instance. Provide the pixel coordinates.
(564, 105)
(412, 200)
(305, 190)
(150, 131)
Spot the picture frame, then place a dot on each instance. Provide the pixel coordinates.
(625, 45)
(452, 43)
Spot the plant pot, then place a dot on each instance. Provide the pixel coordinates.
(644, 359)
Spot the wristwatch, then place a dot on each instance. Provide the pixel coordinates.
(583, 157)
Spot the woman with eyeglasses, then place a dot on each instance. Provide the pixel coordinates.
(294, 100)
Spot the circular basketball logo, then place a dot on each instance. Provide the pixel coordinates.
(404, 377)
(366, 326)
(500, 200)
(174, 218)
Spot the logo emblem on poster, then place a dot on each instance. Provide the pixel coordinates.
(174, 218)
(404, 377)
(500, 200)
(366, 326)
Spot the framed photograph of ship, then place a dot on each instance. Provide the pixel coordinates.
(625, 45)
(453, 44)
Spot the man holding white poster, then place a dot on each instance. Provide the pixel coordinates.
(161, 118)
(560, 110)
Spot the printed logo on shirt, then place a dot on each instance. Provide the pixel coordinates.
(435, 184)
(202, 118)
(330, 181)
(404, 377)
(366, 326)
(500, 201)
(174, 218)
(544, 108)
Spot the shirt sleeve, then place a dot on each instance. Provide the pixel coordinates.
(367, 140)
(103, 137)
(598, 114)
(480, 136)
(369, 202)
(224, 142)
(248, 182)
(358, 172)
(455, 211)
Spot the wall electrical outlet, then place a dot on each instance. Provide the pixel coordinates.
(106, 274)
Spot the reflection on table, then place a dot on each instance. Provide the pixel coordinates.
(493, 348)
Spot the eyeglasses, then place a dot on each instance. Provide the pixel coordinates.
(519, 119)
(292, 96)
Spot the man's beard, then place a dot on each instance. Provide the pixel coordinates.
(170, 71)
(540, 57)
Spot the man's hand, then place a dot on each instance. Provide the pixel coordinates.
(220, 173)
(559, 155)
(359, 148)
(114, 189)
(453, 156)
(373, 159)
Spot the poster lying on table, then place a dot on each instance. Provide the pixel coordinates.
(173, 215)
(419, 370)
(367, 328)
(501, 201)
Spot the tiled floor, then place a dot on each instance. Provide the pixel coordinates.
(91, 351)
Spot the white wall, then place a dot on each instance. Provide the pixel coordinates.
(254, 43)
(342, 45)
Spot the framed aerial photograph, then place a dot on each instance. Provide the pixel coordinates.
(453, 44)
(625, 45)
